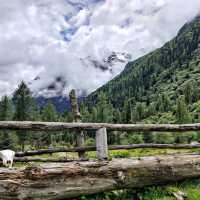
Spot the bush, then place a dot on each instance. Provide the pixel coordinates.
(135, 139)
(163, 138)
(90, 142)
(186, 137)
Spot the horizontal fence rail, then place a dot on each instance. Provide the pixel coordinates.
(110, 147)
(101, 133)
(59, 126)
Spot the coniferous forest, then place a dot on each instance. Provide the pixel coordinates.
(162, 87)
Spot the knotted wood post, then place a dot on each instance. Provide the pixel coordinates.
(77, 118)
(102, 144)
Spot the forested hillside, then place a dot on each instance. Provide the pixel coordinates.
(161, 87)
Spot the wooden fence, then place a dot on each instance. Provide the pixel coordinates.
(101, 134)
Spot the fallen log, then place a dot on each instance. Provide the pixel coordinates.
(111, 147)
(46, 160)
(55, 181)
(35, 159)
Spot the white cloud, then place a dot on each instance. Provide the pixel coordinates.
(31, 43)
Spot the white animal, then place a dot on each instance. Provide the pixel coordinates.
(7, 156)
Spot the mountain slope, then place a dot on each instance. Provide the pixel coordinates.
(172, 70)
(108, 66)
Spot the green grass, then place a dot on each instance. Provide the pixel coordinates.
(190, 188)
(143, 152)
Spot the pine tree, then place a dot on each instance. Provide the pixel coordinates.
(104, 109)
(140, 111)
(49, 114)
(85, 115)
(182, 114)
(34, 138)
(23, 110)
(127, 112)
(6, 112)
(94, 115)
(163, 103)
(117, 116)
(188, 92)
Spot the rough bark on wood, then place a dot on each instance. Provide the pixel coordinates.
(111, 147)
(102, 144)
(67, 180)
(77, 118)
(35, 159)
(61, 126)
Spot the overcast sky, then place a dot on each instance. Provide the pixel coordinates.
(52, 38)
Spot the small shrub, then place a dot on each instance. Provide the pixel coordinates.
(186, 137)
(135, 139)
(163, 138)
(90, 142)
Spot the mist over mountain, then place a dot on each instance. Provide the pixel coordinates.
(152, 85)
(112, 64)
(55, 46)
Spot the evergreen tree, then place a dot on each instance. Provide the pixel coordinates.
(140, 111)
(163, 103)
(117, 118)
(34, 138)
(6, 112)
(188, 92)
(35, 111)
(104, 109)
(49, 114)
(6, 109)
(94, 115)
(23, 110)
(85, 115)
(182, 114)
(127, 111)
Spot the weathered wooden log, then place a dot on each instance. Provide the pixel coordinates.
(111, 147)
(61, 126)
(67, 180)
(102, 144)
(77, 118)
(35, 159)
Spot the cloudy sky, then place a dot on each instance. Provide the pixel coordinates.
(46, 40)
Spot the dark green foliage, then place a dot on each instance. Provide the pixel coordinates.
(150, 87)
(49, 114)
(6, 109)
(104, 109)
(6, 140)
(161, 87)
(182, 114)
(22, 100)
(23, 109)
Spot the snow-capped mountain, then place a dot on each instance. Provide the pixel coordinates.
(57, 90)
(112, 65)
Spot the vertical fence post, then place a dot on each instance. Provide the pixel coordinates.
(77, 118)
(101, 144)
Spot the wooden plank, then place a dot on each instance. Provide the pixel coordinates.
(101, 144)
(61, 126)
(112, 147)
